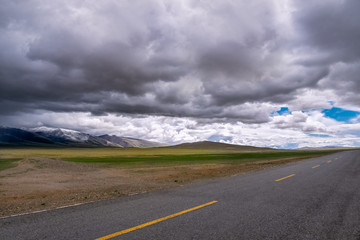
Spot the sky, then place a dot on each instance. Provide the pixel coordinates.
(267, 73)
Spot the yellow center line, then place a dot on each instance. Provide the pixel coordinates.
(329, 161)
(154, 221)
(285, 177)
(316, 166)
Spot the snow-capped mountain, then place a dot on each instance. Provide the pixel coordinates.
(62, 133)
(60, 137)
(127, 142)
(20, 137)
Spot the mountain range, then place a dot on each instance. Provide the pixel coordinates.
(60, 137)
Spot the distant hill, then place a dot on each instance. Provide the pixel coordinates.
(59, 137)
(217, 146)
(131, 142)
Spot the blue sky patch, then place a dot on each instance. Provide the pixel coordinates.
(287, 146)
(291, 146)
(339, 114)
(218, 138)
(318, 135)
(283, 111)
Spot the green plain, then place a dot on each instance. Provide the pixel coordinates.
(135, 157)
(176, 159)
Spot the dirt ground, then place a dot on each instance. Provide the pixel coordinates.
(41, 183)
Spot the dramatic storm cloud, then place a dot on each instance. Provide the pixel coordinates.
(186, 70)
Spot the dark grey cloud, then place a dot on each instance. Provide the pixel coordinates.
(330, 26)
(218, 59)
(329, 33)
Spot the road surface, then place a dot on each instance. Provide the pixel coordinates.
(313, 199)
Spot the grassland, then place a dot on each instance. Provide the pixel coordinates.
(188, 159)
(134, 157)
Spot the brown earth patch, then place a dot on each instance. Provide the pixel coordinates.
(43, 183)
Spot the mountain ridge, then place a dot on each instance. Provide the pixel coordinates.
(129, 142)
(60, 137)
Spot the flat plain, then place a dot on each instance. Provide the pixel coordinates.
(34, 179)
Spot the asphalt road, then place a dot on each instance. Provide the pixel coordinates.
(321, 201)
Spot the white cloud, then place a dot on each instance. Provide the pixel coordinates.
(302, 129)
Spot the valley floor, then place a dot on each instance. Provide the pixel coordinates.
(39, 183)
